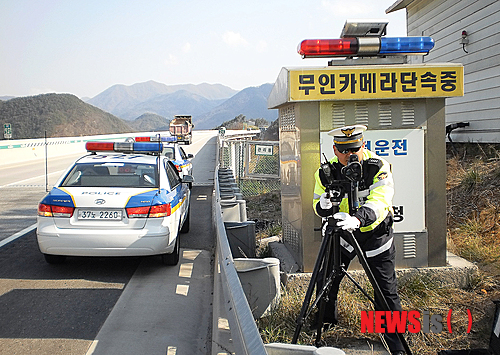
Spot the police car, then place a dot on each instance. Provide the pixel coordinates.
(173, 151)
(122, 199)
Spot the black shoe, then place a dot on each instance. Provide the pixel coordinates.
(326, 326)
(327, 323)
(398, 352)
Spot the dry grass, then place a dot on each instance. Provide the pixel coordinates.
(473, 198)
(473, 204)
(265, 210)
(417, 293)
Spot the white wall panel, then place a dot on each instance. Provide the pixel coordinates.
(444, 21)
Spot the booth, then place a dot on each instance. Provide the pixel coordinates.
(403, 107)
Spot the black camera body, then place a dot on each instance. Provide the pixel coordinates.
(353, 171)
(350, 174)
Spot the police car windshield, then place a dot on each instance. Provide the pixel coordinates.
(111, 175)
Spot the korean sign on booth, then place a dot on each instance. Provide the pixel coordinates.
(376, 82)
(404, 150)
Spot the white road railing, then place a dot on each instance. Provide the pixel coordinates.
(21, 150)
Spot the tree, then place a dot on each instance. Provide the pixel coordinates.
(261, 122)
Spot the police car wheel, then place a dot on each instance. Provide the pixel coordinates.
(54, 259)
(173, 258)
(185, 226)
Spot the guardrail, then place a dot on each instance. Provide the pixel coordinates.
(231, 312)
(230, 302)
(241, 134)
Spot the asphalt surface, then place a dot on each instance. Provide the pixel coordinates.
(45, 308)
(167, 310)
(69, 308)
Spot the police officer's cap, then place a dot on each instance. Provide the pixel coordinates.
(348, 137)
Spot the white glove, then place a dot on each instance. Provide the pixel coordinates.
(324, 201)
(347, 222)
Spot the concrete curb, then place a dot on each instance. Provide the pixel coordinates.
(458, 272)
(295, 349)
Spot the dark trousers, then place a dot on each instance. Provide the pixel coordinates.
(383, 269)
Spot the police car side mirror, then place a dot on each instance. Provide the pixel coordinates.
(190, 156)
(187, 179)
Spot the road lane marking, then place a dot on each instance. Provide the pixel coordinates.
(186, 270)
(223, 323)
(182, 290)
(15, 216)
(17, 235)
(32, 178)
(92, 347)
(190, 254)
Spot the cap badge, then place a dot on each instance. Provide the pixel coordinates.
(348, 131)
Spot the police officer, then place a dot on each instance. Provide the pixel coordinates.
(371, 224)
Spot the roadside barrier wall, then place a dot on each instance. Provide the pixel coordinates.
(23, 150)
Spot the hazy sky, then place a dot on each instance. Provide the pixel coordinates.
(83, 47)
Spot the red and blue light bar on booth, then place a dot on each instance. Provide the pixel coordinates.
(138, 147)
(364, 46)
(156, 139)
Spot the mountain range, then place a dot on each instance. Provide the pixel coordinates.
(58, 115)
(145, 106)
(209, 104)
(129, 102)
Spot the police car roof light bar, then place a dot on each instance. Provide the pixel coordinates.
(143, 139)
(123, 147)
(364, 46)
(99, 146)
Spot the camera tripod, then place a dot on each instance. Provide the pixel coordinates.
(329, 255)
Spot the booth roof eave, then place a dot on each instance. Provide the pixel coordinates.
(280, 92)
(398, 5)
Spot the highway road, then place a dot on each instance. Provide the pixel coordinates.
(103, 305)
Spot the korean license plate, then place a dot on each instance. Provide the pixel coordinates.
(112, 215)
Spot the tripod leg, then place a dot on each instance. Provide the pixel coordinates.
(319, 328)
(323, 295)
(328, 271)
(307, 299)
(382, 302)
